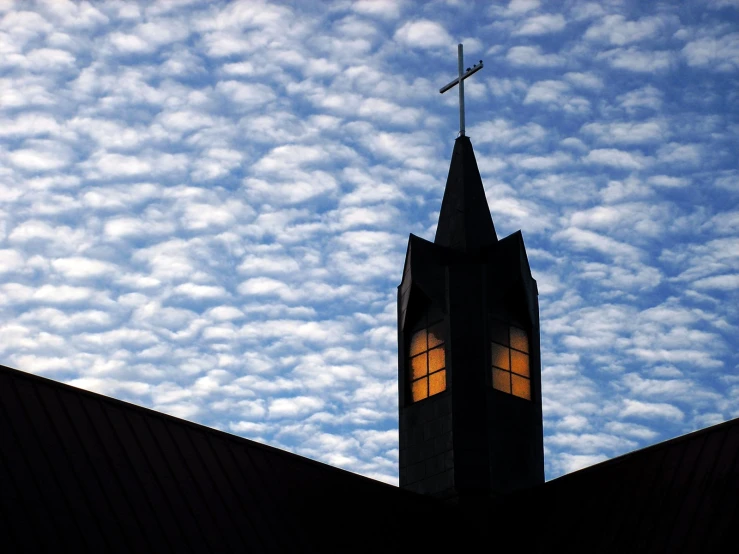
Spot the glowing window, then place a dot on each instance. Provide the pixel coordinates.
(427, 362)
(510, 360)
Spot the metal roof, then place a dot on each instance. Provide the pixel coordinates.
(681, 495)
(81, 472)
(86, 473)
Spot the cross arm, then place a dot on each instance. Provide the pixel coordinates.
(470, 71)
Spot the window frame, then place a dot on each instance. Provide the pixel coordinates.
(511, 348)
(424, 324)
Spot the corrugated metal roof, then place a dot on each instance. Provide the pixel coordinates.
(681, 495)
(83, 472)
(86, 473)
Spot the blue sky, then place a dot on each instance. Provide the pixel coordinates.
(205, 206)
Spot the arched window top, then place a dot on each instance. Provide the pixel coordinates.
(510, 359)
(427, 359)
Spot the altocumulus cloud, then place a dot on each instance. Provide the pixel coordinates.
(205, 206)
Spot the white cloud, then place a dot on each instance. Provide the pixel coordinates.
(122, 227)
(633, 430)
(557, 96)
(541, 25)
(185, 120)
(532, 56)
(246, 95)
(650, 410)
(643, 132)
(129, 43)
(59, 237)
(589, 443)
(387, 9)
(200, 291)
(508, 134)
(266, 286)
(24, 25)
(617, 158)
(615, 29)
(585, 80)
(294, 407)
(573, 422)
(543, 163)
(641, 217)
(115, 165)
(668, 181)
(10, 260)
(641, 61)
(30, 124)
(423, 33)
(49, 59)
(547, 92)
(42, 156)
(567, 463)
(647, 97)
(83, 268)
(718, 282)
(225, 313)
(679, 154)
(718, 54)
(583, 239)
(517, 7)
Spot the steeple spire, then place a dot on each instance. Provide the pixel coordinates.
(464, 221)
(469, 367)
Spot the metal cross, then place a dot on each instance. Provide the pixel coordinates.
(462, 76)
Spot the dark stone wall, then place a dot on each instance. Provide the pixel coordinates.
(426, 446)
(470, 441)
(515, 430)
(468, 345)
(515, 442)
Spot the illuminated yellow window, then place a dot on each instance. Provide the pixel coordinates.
(510, 360)
(427, 362)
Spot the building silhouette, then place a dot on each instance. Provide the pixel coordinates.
(81, 472)
(469, 369)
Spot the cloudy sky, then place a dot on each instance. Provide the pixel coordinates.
(205, 206)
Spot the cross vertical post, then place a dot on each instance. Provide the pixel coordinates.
(462, 75)
(460, 66)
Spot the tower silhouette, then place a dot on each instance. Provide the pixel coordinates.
(469, 368)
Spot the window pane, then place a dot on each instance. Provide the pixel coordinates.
(418, 366)
(436, 359)
(521, 387)
(418, 342)
(437, 382)
(500, 356)
(520, 363)
(502, 380)
(499, 332)
(419, 389)
(436, 334)
(519, 340)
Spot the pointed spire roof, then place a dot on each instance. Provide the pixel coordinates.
(464, 221)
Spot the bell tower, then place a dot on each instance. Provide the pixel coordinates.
(469, 368)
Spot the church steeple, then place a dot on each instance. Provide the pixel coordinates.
(469, 368)
(464, 221)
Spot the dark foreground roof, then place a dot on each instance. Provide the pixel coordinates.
(681, 495)
(85, 473)
(80, 472)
